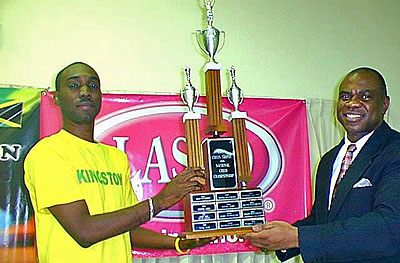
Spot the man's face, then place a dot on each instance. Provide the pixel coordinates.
(361, 104)
(79, 95)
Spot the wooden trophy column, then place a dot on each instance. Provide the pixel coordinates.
(193, 142)
(214, 101)
(238, 124)
(242, 152)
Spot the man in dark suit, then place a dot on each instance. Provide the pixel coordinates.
(355, 218)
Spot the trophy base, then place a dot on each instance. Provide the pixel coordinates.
(223, 212)
(217, 233)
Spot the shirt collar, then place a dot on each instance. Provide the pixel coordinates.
(360, 142)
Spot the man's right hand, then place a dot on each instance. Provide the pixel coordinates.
(275, 235)
(191, 179)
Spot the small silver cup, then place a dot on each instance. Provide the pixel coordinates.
(189, 94)
(234, 93)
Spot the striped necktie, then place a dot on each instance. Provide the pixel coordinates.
(346, 162)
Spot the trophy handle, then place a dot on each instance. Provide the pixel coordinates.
(228, 95)
(182, 97)
(223, 42)
(240, 96)
(198, 32)
(197, 95)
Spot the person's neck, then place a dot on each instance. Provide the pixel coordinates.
(355, 136)
(83, 131)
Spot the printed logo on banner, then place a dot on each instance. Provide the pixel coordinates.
(161, 133)
(10, 114)
(10, 152)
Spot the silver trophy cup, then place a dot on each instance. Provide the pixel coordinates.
(234, 93)
(208, 39)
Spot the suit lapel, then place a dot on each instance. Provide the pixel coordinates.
(368, 153)
(324, 187)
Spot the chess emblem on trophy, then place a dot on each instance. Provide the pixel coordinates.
(226, 205)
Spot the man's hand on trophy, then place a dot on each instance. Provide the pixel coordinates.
(191, 179)
(275, 235)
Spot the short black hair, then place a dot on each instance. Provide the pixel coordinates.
(376, 73)
(57, 82)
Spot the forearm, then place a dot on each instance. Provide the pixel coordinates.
(89, 229)
(145, 238)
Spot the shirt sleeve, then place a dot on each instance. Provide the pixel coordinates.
(130, 195)
(51, 179)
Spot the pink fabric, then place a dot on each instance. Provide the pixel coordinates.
(150, 130)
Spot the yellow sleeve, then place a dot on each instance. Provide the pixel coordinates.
(50, 178)
(130, 195)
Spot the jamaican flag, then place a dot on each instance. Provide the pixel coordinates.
(19, 131)
(10, 113)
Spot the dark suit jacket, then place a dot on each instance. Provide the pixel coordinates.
(363, 224)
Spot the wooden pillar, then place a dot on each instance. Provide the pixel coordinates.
(214, 102)
(242, 152)
(193, 142)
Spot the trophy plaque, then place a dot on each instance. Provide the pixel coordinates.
(220, 160)
(226, 205)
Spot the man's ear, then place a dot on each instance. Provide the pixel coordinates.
(386, 103)
(55, 98)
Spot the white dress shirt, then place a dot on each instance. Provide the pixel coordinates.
(336, 166)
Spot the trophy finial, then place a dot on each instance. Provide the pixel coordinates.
(189, 94)
(210, 16)
(187, 73)
(233, 74)
(235, 94)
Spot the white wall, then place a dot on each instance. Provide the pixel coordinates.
(280, 48)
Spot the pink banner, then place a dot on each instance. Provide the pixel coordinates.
(150, 130)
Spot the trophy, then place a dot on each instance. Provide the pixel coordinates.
(238, 121)
(190, 96)
(226, 205)
(234, 93)
(208, 39)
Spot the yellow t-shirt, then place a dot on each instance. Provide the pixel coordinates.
(64, 168)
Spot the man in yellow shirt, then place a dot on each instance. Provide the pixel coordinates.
(85, 208)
